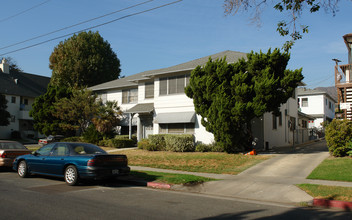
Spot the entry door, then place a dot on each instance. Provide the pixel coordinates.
(147, 123)
(148, 130)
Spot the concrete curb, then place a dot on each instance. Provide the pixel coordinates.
(326, 203)
(155, 185)
(159, 185)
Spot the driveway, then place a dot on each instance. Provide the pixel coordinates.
(272, 180)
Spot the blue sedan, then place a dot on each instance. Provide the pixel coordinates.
(72, 161)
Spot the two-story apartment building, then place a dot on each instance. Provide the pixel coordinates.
(318, 104)
(154, 102)
(20, 90)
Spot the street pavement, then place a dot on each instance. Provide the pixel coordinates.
(270, 181)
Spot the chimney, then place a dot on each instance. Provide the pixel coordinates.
(4, 66)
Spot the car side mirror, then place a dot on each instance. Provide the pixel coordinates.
(35, 153)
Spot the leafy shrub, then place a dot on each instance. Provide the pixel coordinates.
(338, 136)
(134, 137)
(117, 143)
(349, 149)
(213, 147)
(91, 135)
(73, 139)
(157, 141)
(179, 143)
(146, 145)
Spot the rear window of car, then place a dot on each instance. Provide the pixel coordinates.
(11, 145)
(83, 149)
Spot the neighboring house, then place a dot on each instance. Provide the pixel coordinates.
(343, 82)
(303, 133)
(154, 102)
(318, 104)
(20, 90)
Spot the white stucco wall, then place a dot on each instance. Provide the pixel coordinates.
(281, 136)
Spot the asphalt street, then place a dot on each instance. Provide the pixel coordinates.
(48, 198)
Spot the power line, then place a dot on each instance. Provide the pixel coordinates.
(114, 20)
(24, 11)
(83, 22)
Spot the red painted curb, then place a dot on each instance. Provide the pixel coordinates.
(159, 185)
(332, 204)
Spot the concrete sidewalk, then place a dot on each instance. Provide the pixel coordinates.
(271, 181)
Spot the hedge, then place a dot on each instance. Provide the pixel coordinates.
(117, 143)
(338, 136)
(170, 142)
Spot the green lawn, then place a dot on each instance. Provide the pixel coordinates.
(170, 178)
(332, 168)
(221, 163)
(328, 192)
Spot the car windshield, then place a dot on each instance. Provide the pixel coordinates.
(80, 148)
(11, 145)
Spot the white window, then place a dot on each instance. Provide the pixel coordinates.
(149, 90)
(173, 85)
(304, 102)
(176, 128)
(129, 96)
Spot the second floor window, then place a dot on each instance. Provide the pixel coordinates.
(304, 102)
(129, 96)
(149, 90)
(173, 85)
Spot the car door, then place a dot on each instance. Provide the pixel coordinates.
(37, 163)
(56, 161)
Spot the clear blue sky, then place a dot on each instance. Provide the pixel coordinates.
(171, 35)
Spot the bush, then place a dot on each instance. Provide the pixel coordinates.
(213, 147)
(146, 145)
(179, 143)
(73, 139)
(157, 141)
(134, 137)
(117, 143)
(338, 136)
(91, 135)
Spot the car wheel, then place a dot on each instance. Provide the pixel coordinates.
(22, 169)
(71, 175)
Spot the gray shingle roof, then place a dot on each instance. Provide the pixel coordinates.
(231, 56)
(307, 92)
(28, 85)
(141, 108)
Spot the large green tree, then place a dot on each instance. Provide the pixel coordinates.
(229, 96)
(43, 110)
(77, 111)
(85, 59)
(4, 115)
(289, 26)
